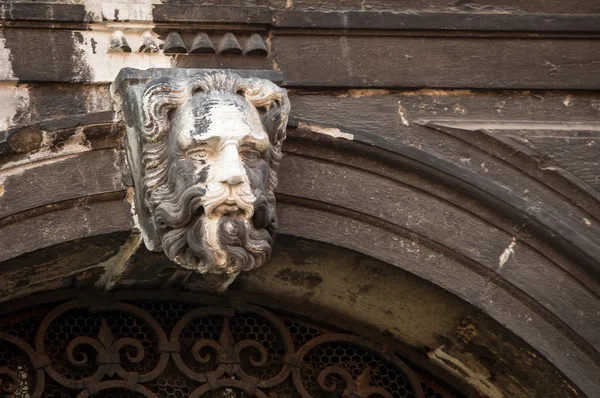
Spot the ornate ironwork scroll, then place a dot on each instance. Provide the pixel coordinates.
(184, 349)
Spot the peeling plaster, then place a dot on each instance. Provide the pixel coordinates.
(135, 10)
(130, 198)
(478, 381)
(401, 112)
(330, 131)
(506, 253)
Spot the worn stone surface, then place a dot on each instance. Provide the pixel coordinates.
(449, 20)
(363, 61)
(77, 262)
(491, 6)
(35, 185)
(320, 281)
(480, 352)
(57, 225)
(425, 324)
(389, 245)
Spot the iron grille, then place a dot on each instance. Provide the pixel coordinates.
(183, 349)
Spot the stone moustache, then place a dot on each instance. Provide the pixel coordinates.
(210, 150)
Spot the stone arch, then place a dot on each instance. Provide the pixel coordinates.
(418, 199)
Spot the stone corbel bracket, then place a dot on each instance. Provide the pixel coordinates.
(203, 148)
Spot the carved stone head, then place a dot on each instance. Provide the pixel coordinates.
(210, 149)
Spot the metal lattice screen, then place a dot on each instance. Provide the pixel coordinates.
(185, 349)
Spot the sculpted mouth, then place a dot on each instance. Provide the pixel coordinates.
(228, 207)
(226, 202)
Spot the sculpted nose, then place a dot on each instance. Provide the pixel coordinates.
(232, 169)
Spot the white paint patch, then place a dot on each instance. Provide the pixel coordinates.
(401, 112)
(227, 282)
(330, 131)
(506, 253)
(130, 198)
(568, 101)
(13, 100)
(93, 54)
(459, 109)
(477, 380)
(6, 72)
(550, 168)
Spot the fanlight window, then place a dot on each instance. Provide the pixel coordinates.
(158, 348)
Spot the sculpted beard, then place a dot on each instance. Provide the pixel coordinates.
(199, 231)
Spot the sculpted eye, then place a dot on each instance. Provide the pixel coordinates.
(198, 154)
(250, 155)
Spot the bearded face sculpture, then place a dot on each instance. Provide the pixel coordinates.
(210, 149)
